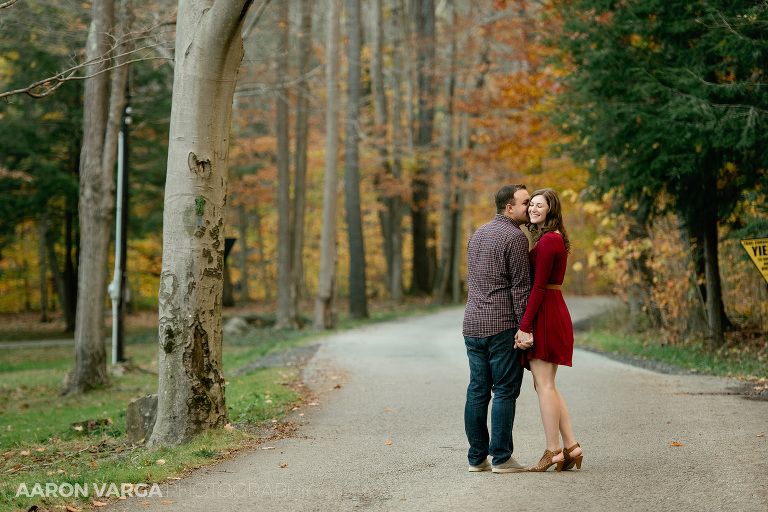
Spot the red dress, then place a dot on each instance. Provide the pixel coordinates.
(546, 313)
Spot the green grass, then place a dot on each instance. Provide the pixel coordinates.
(39, 444)
(741, 361)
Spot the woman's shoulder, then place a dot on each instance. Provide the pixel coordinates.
(552, 239)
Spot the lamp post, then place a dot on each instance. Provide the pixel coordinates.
(117, 288)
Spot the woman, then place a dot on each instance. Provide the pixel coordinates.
(546, 315)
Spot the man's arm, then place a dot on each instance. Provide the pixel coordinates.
(519, 275)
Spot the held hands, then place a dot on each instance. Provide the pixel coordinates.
(523, 340)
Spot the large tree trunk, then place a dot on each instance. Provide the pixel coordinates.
(209, 50)
(423, 264)
(715, 307)
(358, 305)
(101, 124)
(302, 136)
(325, 303)
(286, 315)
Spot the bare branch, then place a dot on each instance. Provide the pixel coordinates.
(255, 19)
(46, 86)
(8, 4)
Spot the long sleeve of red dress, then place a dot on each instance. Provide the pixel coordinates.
(546, 315)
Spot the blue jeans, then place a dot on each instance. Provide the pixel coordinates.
(494, 366)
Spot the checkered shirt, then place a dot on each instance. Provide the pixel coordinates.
(498, 278)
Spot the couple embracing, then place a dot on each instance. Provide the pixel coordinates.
(516, 318)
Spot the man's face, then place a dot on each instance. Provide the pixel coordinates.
(519, 211)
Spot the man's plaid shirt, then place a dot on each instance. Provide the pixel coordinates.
(498, 278)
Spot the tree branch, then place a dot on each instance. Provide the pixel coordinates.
(8, 4)
(255, 19)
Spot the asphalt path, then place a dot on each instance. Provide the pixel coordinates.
(388, 434)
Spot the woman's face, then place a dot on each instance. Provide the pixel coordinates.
(538, 209)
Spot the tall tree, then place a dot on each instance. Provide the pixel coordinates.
(673, 92)
(302, 137)
(103, 107)
(325, 303)
(358, 301)
(209, 49)
(448, 230)
(423, 262)
(286, 313)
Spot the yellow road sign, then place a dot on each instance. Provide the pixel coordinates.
(757, 248)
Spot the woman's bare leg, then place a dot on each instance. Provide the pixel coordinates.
(549, 402)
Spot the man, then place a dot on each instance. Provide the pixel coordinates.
(499, 283)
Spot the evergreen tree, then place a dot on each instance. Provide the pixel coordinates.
(668, 97)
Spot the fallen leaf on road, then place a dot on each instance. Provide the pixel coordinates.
(760, 435)
(388, 442)
(167, 503)
(389, 409)
(99, 504)
(267, 447)
(675, 444)
(282, 465)
(145, 503)
(313, 403)
(337, 386)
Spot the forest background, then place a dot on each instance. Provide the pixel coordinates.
(645, 116)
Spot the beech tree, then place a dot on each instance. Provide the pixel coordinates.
(209, 49)
(103, 101)
(325, 303)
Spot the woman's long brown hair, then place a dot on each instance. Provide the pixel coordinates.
(554, 220)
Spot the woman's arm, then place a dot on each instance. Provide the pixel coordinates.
(545, 259)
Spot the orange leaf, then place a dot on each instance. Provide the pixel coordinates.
(145, 503)
(389, 409)
(388, 442)
(760, 435)
(675, 444)
(167, 503)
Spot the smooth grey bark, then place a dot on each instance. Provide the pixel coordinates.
(209, 50)
(286, 315)
(358, 302)
(302, 137)
(326, 316)
(103, 104)
(423, 264)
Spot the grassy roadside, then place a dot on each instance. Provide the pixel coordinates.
(747, 361)
(43, 441)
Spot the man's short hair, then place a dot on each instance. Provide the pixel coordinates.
(505, 196)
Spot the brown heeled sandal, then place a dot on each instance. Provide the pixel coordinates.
(546, 461)
(569, 461)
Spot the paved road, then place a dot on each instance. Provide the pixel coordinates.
(624, 417)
